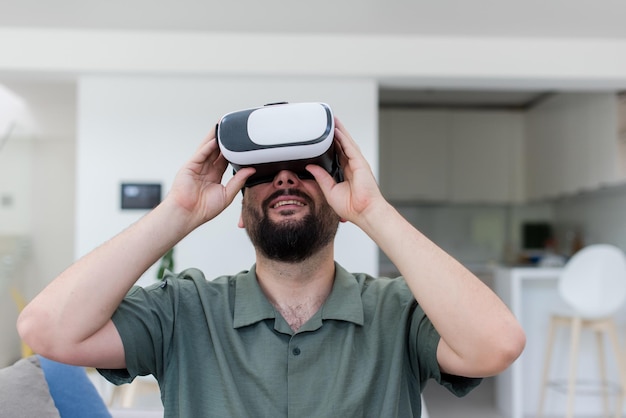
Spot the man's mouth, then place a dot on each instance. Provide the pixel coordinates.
(287, 202)
(290, 197)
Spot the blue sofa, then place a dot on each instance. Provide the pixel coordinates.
(42, 388)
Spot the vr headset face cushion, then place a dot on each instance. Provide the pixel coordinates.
(279, 137)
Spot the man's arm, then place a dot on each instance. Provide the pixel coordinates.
(70, 320)
(479, 335)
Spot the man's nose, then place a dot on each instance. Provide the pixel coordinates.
(286, 179)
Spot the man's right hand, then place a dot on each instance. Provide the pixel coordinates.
(70, 320)
(198, 189)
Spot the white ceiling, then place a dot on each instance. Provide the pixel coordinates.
(482, 18)
(492, 18)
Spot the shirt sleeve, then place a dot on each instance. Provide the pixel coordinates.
(423, 340)
(144, 320)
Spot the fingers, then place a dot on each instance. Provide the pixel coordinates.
(207, 139)
(347, 144)
(207, 152)
(238, 181)
(206, 147)
(345, 151)
(325, 180)
(209, 156)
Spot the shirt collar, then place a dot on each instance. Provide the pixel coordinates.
(344, 302)
(251, 305)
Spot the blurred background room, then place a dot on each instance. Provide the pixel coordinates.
(497, 128)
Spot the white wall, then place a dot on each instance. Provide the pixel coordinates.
(144, 128)
(53, 106)
(37, 175)
(15, 186)
(394, 60)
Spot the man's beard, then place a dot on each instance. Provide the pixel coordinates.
(290, 240)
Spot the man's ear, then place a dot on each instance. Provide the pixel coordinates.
(240, 223)
(343, 221)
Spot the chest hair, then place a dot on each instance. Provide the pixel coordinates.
(297, 315)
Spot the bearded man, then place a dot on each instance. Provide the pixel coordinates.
(296, 335)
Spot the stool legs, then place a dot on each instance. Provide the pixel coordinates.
(602, 368)
(600, 327)
(546, 366)
(573, 364)
(612, 332)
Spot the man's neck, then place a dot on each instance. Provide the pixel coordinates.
(297, 290)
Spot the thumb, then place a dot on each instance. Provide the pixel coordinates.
(238, 181)
(325, 180)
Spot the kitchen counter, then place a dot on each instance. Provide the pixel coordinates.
(519, 287)
(532, 295)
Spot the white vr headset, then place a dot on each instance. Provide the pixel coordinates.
(281, 136)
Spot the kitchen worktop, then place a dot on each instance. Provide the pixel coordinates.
(532, 295)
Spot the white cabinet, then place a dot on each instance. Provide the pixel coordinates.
(573, 144)
(569, 143)
(532, 295)
(452, 155)
(485, 160)
(413, 155)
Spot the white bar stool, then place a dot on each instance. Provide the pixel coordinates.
(593, 284)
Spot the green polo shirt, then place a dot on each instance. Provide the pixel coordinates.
(219, 349)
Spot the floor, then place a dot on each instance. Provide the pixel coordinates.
(479, 403)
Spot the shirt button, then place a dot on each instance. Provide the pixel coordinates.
(296, 351)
